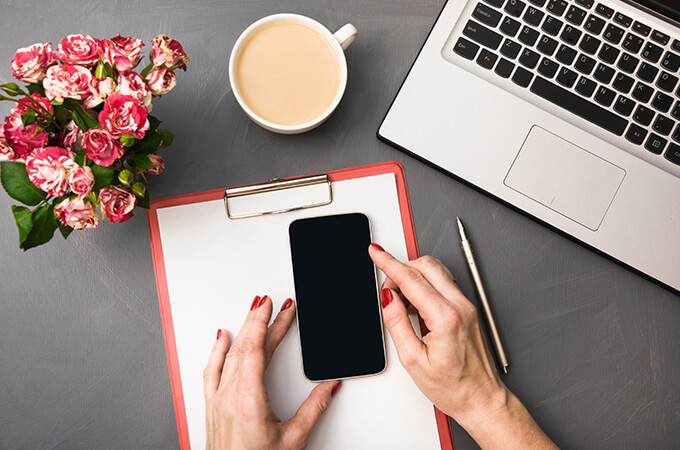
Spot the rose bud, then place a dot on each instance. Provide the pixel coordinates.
(161, 80)
(81, 181)
(158, 164)
(117, 203)
(126, 177)
(169, 53)
(138, 189)
(77, 214)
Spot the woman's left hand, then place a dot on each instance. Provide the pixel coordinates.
(238, 414)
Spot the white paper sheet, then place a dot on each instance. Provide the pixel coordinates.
(214, 268)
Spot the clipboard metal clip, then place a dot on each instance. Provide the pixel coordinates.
(317, 195)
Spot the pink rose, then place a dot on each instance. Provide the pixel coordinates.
(48, 168)
(30, 64)
(101, 147)
(124, 114)
(101, 88)
(132, 84)
(23, 139)
(67, 81)
(161, 80)
(158, 164)
(78, 49)
(117, 203)
(74, 137)
(122, 52)
(77, 214)
(169, 53)
(24, 104)
(81, 180)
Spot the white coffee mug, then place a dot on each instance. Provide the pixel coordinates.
(338, 41)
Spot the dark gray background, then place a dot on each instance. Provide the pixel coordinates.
(593, 347)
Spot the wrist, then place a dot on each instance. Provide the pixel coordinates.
(486, 410)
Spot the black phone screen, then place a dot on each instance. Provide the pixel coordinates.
(338, 308)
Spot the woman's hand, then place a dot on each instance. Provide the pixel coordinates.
(451, 365)
(238, 414)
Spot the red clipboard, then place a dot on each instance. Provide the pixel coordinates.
(442, 420)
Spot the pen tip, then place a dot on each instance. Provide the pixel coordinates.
(505, 369)
(461, 230)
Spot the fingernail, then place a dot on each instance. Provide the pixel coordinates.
(256, 300)
(287, 304)
(377, 247)
(219, 334)
(386, 295)
(262, 300)
(336, 388)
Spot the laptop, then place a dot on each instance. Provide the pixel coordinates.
(568, 110)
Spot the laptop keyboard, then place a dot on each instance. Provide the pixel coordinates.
(607, 68)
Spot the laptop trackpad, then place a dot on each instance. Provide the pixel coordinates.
(565, 178)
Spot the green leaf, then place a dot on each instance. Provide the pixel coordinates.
(144, 201)
(22, 216)
(60, 114)
(36, 89)
(28, 118)
(12, 89)
(103, 176)
(153, 123)
(167, 137)
(142, 161)
(146, 70)
(44, 224)
(80, 117)
(127, 140)
(147, 145)
(65, 230)
(14, 179)
(80, 158)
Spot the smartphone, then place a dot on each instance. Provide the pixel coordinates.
(338, 307)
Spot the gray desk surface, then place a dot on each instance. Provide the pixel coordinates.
(593, 347)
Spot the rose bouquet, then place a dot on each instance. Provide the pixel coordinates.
(80, 142)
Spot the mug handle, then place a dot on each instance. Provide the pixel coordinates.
(345, 35)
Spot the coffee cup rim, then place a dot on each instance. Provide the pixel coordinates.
(290, 18)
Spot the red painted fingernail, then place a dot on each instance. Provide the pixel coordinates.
(262, 300)
(377, 247)
(219, 334)
(287, 304)
(256, 300)
(386, 297)
(336, 388)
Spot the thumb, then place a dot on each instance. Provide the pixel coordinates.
(302, 423)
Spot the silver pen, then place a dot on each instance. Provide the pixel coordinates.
(490, 322)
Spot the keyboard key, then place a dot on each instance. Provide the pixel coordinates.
(465, 48)
(510, 26)
(566, 77)
(504, 68)
(636, 134)
(663, 125)
(655, 144)
(528, 36)
(539, 3)
(651, 52)
(662, 102)
(623, 83)
(624, 105)
(579, 106)
(589, 44)
(676, 111)
(673, 154)
(486, 59)
(608, 53)
(643, 115)
(633, 43)
(641, 28)
(570, 35)
(566, 55)
(642, 92)
(585, 86)
(604, 74)
(514, 7)
(546, 45)
(594, 24)
(605, 96)
(676, 45)
(510, 49)
(605, 11)
(585, 3)
(551, 25)
(496, 3)
(622, 19)
(529, 58)
(533, 16)
(482, 35)
(671, 62)
(548, 68)
(486, 15)
(584, 64)
(647, 72)
(522, 77)
(575, 15)
(628, 63)
(666, 81)
(661, 38)
(557, 7)
(676, 134)
(613, 34)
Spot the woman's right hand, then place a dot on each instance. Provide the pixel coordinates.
(451, 365)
